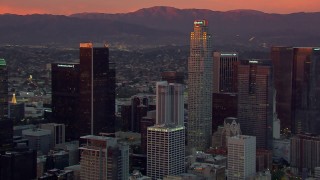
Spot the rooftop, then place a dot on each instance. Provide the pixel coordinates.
(36, 132)
(2, 62)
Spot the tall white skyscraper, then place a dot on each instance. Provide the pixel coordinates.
(166, 140)
(166, 151)
(241, 157)
(200, 88)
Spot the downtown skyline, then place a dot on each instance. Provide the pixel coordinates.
(124, 6)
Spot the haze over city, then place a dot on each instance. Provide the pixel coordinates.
(122, 6)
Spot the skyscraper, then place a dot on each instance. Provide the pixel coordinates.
(297, 87)
(166, 151)
(170, 103)
(224, 72)
(3, 90)
(200, 88)
(306, 90)
(282, 60)
(65, 97)
(83, 95)
(304, 152)
(166, 139)
(255, 101)
(241, 157)
(6, 125)
(97, 90)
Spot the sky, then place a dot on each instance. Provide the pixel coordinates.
(67, 7)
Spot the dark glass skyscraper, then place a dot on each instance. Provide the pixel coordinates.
(282, 60)
(306, 90)
(83, 95)
(97, 90)
(3, 89)
(224, 74)
(296, 72)
(255, 101)
(65, 97)
(223, 105)
(6, 125)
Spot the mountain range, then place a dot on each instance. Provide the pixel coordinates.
(162, 26)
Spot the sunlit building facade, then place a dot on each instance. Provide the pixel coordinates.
(200, 88)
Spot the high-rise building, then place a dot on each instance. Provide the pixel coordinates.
(3, 89)
(224, 72)
(6, 125)
(282, 60)
(166, 151)
(297, 86)
(103, 158)
(241, 157)
(166, 140)
(200, 88)
(255, 101)
(224, 97)
(97, 91)
(83, 95)
(170, 103)
(65, 97)
(305, 152)
(306, 93)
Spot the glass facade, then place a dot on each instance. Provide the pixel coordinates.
(97, 91)
(65, 97)
(200, 88)
(255, 101)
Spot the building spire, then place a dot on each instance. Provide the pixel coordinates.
(14, 99)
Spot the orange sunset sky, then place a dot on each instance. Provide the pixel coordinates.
(118, 6)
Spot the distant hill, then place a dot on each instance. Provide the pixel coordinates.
(54, 29)
(164, 25)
